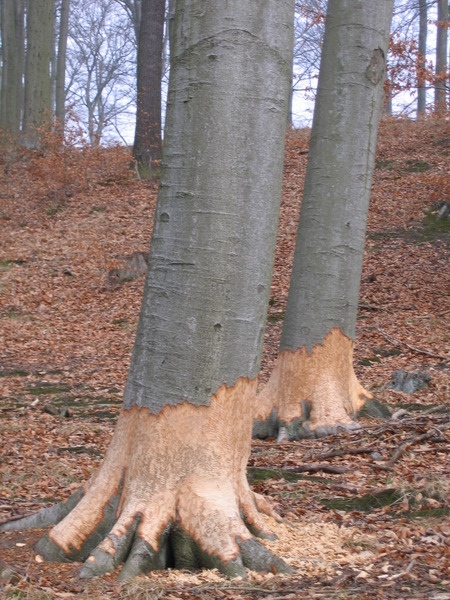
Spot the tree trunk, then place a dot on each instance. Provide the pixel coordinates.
(12, 19)
(421, 89)
(61, 62)
(53, 59)
(313, 385)
(37, 106)
(172, 489)
(440, 92)
(147, 141)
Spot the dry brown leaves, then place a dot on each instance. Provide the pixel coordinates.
(66, 342)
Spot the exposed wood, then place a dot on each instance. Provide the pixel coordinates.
(324, 379)
(180, 474)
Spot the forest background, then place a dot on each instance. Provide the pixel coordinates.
(73, 216)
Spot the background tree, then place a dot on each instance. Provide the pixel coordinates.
(13, 49)
(100, 58)
(422, 47)
(60, 100)
(173, 487)
(313, 385)
(37, 101)
(442, 79)
(309, 29)
(133, 8)
(147, 140)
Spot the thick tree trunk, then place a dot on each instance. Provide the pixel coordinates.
(12, 19)
(147, 141)
(61, 62)
(440, 96)
(314, 388)
(37, 106)
(172, 489)
(422, 47)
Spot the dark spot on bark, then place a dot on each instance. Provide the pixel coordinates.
(375, 70)
(212, 56)
(217, 326)
(164, 217)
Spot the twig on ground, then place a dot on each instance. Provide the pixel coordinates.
(398, 343)
(311, 468)
(404, 446)
(343, 452)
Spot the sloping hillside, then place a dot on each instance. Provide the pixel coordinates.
(373, 522)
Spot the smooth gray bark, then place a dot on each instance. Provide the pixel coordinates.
(422, 47)
(37, 105)
(12, 21)
(211, 258)
(61, 61)
(330, 242)
(440, 96)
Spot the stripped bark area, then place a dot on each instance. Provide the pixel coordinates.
(314, 394)
(172, 491)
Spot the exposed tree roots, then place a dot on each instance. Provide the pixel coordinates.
(172, 491)
(311, 395)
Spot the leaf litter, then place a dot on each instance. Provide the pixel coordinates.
(365, 513)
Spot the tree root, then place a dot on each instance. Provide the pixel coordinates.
(171, 492)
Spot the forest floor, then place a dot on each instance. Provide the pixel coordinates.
(366, 513)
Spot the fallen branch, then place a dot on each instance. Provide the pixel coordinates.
(312, 468)
(404, 446)
(398, 344)
(343, 452)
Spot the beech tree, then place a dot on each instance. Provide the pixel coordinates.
(147, 140)
(422, 48)
(60, 108)
(37, 101)
(172, 489)
(442, 80)
(13, 49)
(100, 58)
(313, 386)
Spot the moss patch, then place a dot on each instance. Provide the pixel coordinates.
(255, 474)
(366, 503)
(47, 389)
(416, 166)
(385, 164)
(14, 373)
(434, 228)
(275, 317)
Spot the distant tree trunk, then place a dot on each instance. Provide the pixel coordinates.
(172, 490)
(133, 8)
(12, 21)
(423, 28)
(171, 18)
(53, 55)
(61, 62)
(147, 141)
(313, 385)
(37, 104)
(388, 104)
(440, 96)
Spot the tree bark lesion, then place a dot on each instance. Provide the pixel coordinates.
(376, 69)
(311, 394)
(193, 509)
